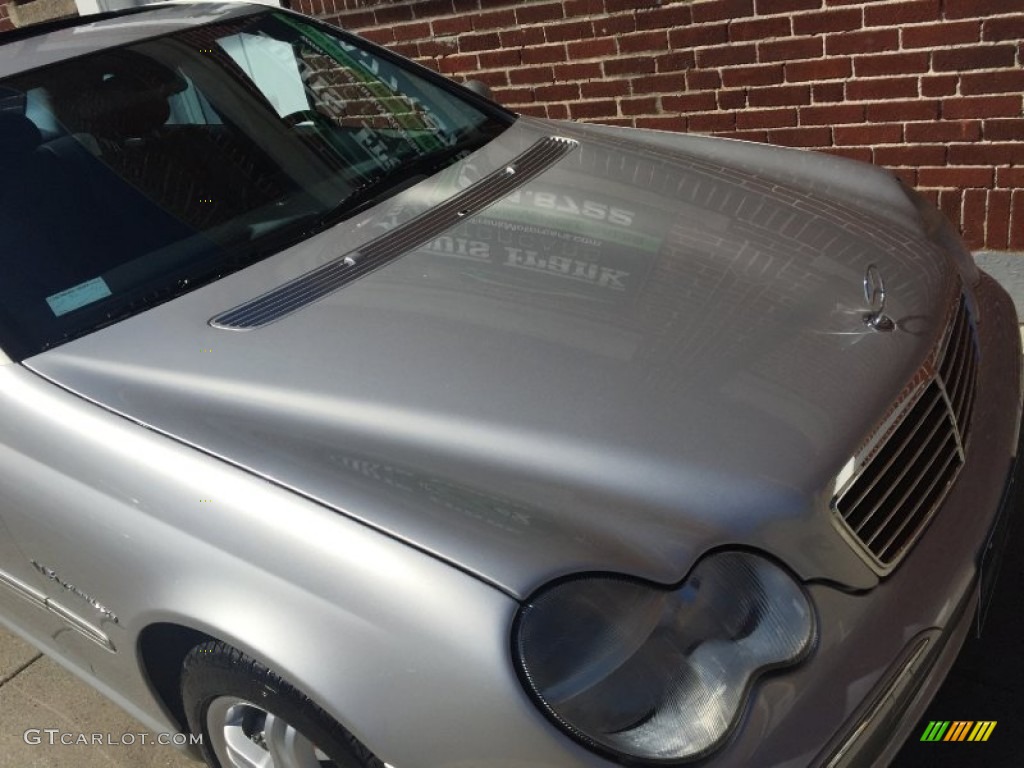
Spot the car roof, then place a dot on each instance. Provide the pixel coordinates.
(36, 46)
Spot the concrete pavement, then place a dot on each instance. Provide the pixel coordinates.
(35, 693)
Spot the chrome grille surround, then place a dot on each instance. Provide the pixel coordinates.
(888, 503)
(335, 274)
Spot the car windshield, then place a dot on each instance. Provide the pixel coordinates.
(135, 174)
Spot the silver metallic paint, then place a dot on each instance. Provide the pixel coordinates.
(489, 415)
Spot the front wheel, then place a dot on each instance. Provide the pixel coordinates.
(251, 718)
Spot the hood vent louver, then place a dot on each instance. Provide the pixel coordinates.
(326, 279)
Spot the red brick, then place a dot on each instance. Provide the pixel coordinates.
(942, 34)
(963, 9)
(974, 217)
(534, 13)
(463, 62)
(380, 36)
(833, 114)
(615, 25)
(930, 154)
(502, 58)
(826, 93)
(974, 57)
(675, 61)
(792, 48)
(1009, 81)
(514, 95)
(1004, 129)
(869, 41)
(634, 66)
(495, 20)
(759, 29)
(557, 111)
(978, 106)
(778, 96)
(531, 75)
(662, 123)
(881, 88)
(951, 203)
(890, 64)
(573, 30)
(393, 14)
(907, 175)
(760, 74)
(592, 49)
(801, 137)
(768, 7)
(523, 37)
(732, 99)
(604, 89)
(716, 10)
(997, 219)
(869, 134)
(644, 41)
(577, 70)
(885, 14)
(451, 25)
(727, 55)
(819, 69)
(644, 105)
(957, 178)
(488, 41)
(574, 8)
(831, 20)
(897, 111)
(1003, 29)
(662, 18)
(672, 82)
(939, 85)
(766, 118)
(602, 108)
(699, 35)
(557, 92)
(946, 131)
(986, 154)
(544, 54)
(1017, 220)
(710, 122)
(703, 79)
(414, 31)
(702, 101)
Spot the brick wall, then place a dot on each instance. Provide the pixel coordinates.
(930, 88)
(5, 18)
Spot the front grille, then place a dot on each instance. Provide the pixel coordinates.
(890, 502)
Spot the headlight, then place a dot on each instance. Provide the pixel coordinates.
(641, 671)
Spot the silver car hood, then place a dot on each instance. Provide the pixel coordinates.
(653, 349)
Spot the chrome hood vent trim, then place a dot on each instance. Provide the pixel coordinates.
(324, 280)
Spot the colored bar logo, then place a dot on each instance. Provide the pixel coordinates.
(958, 730)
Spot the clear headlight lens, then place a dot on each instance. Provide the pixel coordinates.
(660, 673)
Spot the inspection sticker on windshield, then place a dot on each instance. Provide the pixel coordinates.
(78, 296)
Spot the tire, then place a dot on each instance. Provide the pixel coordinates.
(249, 717)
